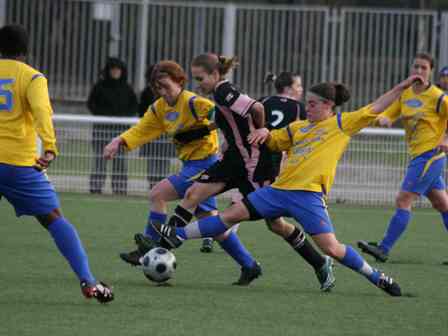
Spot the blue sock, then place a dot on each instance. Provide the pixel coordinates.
(211, 226)
(397, 226)
(353, 260)
(180, 232)
(154, 216)
(67, 240)
(233, 246)
(445, 219)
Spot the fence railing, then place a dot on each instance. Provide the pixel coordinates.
(369, 173)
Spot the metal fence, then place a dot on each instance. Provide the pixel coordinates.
(368, 49)
(369, 173)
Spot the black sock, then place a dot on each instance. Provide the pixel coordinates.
(302, 246)
(181, 217)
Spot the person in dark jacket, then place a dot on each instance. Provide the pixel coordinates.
(110, 96)
(159, 153)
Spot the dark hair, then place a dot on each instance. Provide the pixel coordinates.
(13, 40)
(211, 62)
(336, 92)
(282, 81)
(426, 57)
(168, 69)
(148, 72)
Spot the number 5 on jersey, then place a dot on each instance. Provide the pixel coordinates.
(5, 95)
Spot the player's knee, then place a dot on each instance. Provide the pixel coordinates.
(192, 194)
(276, 227)
(47, 219)
(440, 204)
(403, 202)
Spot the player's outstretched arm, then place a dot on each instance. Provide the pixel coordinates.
(185, 137)
(383, 102)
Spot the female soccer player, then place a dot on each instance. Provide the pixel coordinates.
(423, 109)
(314, 149)
(176, 110)
(280, 110)
(244, 166)
(25, 113)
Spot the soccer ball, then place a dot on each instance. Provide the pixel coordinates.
(159, 264)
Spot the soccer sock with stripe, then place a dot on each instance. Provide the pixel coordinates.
(154, 217)
(210, 226)
(397, 226)
(233, 246)
(353, 260)
(302, 246)
(69, 244)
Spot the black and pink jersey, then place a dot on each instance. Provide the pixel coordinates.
(281, 111)
(235, 121)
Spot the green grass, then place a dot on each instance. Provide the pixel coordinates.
(40, 295)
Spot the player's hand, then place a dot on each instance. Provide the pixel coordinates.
(384, 122)
(443, 146)
(259, 136)
(411, 80)
(44, 161)
(112, 148)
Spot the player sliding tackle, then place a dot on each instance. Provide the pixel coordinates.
(314, 148)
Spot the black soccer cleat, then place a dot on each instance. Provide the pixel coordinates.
(373, 249)
(388, 285)
(168, 235)
(144, 245)
(207, 245)
(248, 274)
(132, 257)
(100, 291)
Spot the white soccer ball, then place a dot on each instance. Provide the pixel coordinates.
(159, 264)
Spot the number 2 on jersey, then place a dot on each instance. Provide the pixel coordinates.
(279, 116)
(5, 95)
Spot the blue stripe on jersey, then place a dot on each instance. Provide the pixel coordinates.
(153, 109)
(191, 105)
(439, 102)
(339, 119)
(36, 76)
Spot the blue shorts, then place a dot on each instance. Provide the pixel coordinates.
(28, 190)
(185, 178)
(425, 173)
(306, 207)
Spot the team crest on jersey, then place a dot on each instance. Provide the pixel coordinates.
(172, 116)
(415, 103)
(229, 97)
(306, 129)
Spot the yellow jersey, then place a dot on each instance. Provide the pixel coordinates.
(424, 118)
(314, 149)
(25, 113)
(191, 111)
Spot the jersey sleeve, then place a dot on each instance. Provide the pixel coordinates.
(352, 122)
(227, 95)
(39, 100)
(147, 129)
(442, 106)
(282, 139)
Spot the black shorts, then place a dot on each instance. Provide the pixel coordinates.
(233, 174)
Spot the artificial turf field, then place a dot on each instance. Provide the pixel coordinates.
(40, 295)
